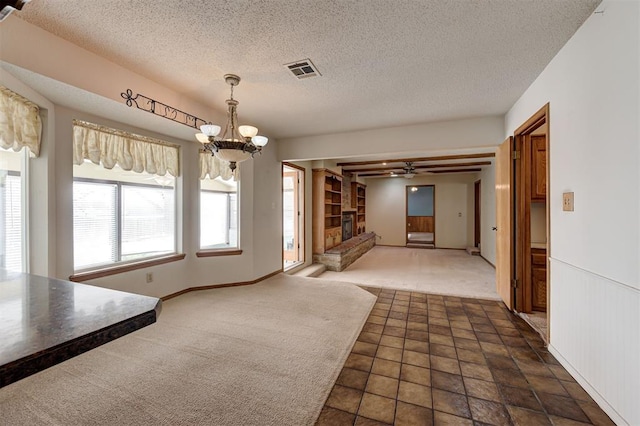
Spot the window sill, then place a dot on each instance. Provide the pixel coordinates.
(219, 252)
(118, 269)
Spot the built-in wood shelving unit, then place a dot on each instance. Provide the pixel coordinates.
(358, 201)
(327, 210)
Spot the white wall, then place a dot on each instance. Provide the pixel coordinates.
(446, 136)
(593, 89)
(260, 222)
(386, 208)
(90, 83)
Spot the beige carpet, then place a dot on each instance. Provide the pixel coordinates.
(266, 354)
(450, 272)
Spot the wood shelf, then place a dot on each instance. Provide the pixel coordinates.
(358, 202)
(327, 210)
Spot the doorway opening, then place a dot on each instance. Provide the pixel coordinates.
(292, 216)
(532, 222)
(523, 225)
(477, 207)
(421, 217)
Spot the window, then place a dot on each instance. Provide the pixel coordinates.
(218, 213)
(124, 202)
(20, 134)
(121, 216)
(292, 216)
(12, 215)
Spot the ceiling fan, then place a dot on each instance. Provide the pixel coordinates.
(409, 170)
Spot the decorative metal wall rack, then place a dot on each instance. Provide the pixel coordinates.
(163, 110)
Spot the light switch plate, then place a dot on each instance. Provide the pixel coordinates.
(567, 201)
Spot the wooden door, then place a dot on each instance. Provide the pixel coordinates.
(539, 279)
(504, 215)
(476, 216)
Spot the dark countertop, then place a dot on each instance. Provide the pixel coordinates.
(45, 321)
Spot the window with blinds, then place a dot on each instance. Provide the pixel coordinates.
(121, 216)
(12, 221)
(218, 214)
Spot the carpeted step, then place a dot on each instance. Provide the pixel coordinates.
(421, 245)
(474, 251)
(312, 271)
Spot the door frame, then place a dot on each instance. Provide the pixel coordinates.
(300, 187)
(477, 205)
(522, 261)
(406, 211)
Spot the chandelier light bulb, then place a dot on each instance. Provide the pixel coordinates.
(210, 129)
(202, 138)
(260, 141)
(248, 131)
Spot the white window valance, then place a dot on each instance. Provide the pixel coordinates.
(108, 147)
(20, 123)
(214, 167)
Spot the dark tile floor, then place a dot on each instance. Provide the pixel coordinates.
(425, 359)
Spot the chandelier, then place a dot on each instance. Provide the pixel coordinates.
(237, 143)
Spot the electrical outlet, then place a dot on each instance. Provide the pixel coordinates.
(149, 277)
(567, 201)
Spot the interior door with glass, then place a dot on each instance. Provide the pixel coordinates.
(292, 216)
(421, 217)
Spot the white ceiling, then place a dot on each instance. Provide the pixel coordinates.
(383, 63)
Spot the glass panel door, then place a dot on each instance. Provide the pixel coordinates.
(292, 216)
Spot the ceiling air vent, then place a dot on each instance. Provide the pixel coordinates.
(303, 69)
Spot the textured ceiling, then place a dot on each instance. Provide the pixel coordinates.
(383, 63)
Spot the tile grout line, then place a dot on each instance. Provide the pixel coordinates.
(489, 323)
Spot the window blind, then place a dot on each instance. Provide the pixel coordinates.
(10, 189)
(95, 224)
(148, 221)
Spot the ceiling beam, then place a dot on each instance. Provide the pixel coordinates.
(425, 167)
(421, 159)
(457, 171)
(400, 174)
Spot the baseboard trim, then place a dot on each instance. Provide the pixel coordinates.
(485, 259)
(608, 409)
(213, 286)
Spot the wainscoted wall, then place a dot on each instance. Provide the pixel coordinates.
(596, 335)
(592, 89)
